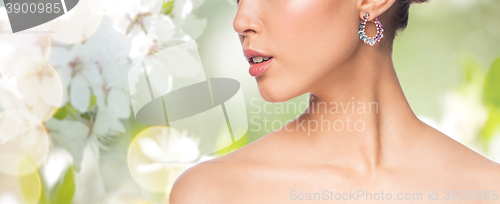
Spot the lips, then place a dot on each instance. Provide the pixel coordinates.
(258, 69)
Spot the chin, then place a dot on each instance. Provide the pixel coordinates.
(274, 92)
(271, 98)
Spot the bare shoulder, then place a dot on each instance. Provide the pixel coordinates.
(488, 175)
(202, 183)
(465, 161)
(216, 180)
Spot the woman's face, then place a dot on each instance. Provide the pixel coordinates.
(308, 40)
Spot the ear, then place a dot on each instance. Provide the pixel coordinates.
(374, 7)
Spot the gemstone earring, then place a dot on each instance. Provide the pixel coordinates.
(362, 33)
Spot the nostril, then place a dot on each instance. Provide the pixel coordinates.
(250, 31)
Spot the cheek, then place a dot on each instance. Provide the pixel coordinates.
(309, 38)
(314, 35)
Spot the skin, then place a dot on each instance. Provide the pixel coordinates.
(316, 49)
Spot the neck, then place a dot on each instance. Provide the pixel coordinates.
(359, 113)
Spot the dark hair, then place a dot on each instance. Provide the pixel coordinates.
(398, 19)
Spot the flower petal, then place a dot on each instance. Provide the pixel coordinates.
(80, 94)
(119, 103)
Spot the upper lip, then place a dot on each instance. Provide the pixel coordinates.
(249, 54)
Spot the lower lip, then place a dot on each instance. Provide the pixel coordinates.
(259, 69)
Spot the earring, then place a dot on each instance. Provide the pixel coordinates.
(362, 33)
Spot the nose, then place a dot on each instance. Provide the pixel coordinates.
(246, 21)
